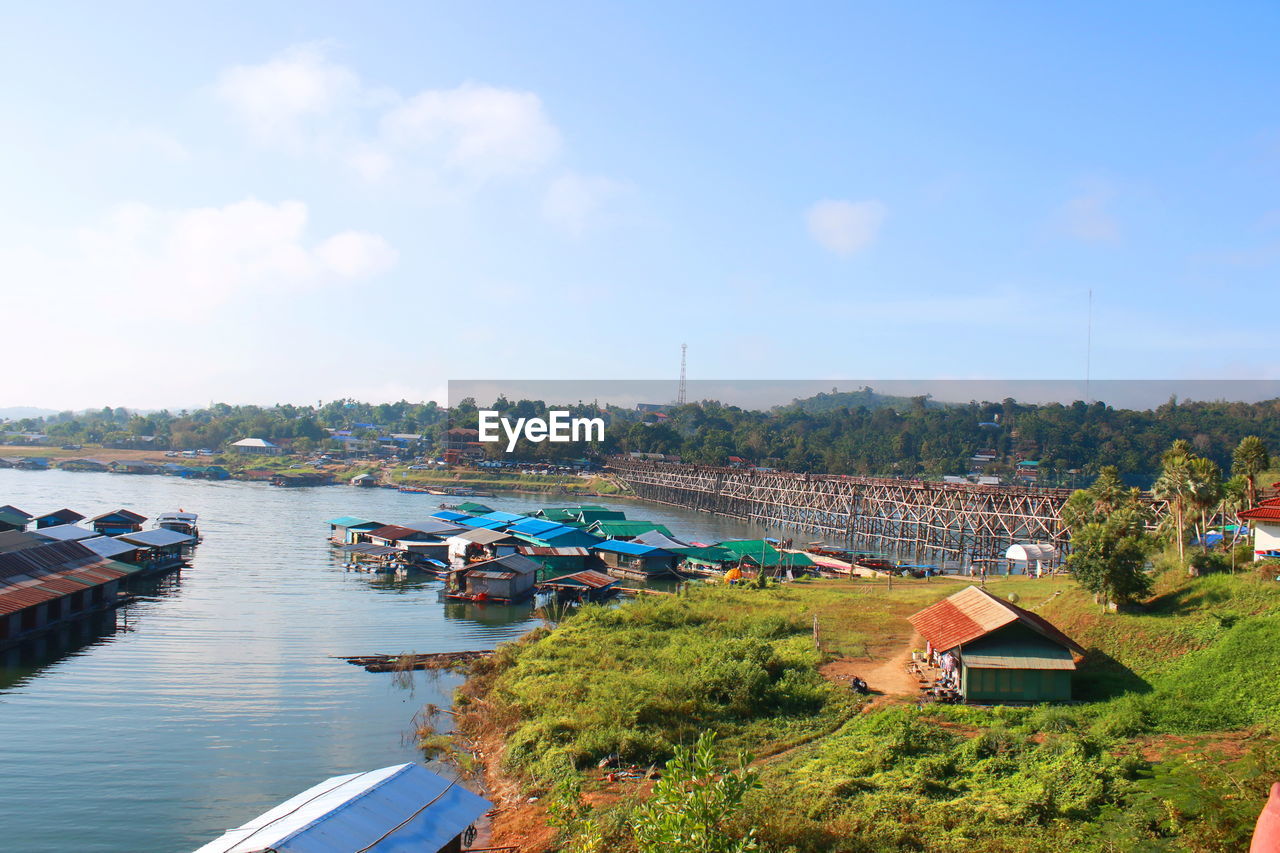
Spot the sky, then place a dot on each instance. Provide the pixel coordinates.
(261, 202)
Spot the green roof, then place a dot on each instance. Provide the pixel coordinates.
(10, 517)
(764, 554)
(624, 529)
(711, 555)
(591, 515)
(558, 513)
(1010, 655)
(473, 508)
(353, 521)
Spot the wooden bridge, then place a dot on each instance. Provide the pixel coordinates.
(906, 518)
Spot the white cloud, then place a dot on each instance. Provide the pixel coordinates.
(572, 201)
(481, 130)
(277, 99)
(303, 100)
(845, 227)
(1087, 216)
(140, 256)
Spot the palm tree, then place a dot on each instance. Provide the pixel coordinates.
(1205, 492)
(1174, 486)
(1250, 459)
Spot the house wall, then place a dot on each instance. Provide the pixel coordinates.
(1266, 537)
(1015, 685)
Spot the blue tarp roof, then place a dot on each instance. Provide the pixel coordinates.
(633, 548)
(487, 523)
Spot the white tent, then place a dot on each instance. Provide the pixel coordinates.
(1039, 553)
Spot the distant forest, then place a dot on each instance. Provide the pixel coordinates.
(862, 434)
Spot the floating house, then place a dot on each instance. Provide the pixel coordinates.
(630, 560)
(561, 536)
(58, 517)
(1005, 653)
(347, 529)
(68, 533)
(582, 586)
(625, 530)
(706, 559)
(46, 583)
(118, 521)
(159, 550)
(480, 543)
(556, 561)
(505, 579)
(472, 508)
(12, 518)
(761, 554)
(364, 481)
(392, 810)
(135, 467)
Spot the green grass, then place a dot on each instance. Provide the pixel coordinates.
(1173, 751)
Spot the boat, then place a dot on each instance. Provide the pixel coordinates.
(179, 522)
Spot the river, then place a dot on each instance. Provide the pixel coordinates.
(213, 696)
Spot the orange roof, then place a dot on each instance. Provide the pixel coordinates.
(1268, 510)
(972, 613)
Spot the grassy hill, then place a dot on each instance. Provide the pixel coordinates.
(1172, 750)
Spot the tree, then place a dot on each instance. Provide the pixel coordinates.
(695, 803)
(1249, 459)
(1174, 486)
(1205, 492)
(1108, 557)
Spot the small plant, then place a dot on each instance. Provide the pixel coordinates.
(696, 803)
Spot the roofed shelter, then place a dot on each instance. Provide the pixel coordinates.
(1265, 521)
(1005, 653)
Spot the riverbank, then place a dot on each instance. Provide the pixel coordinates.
(248, 467)
(1172, 749)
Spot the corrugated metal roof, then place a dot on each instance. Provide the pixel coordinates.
(68, 532)
(20, 598)
(633, 548)
(394, 532)
(588, 579)
(449, 515)
(534, 526)
(614, 529)
(64, 515)
(126, 514)
(415, 809)
(481, 536)
(157, 538)
(972, 613)
(498, 515)
(517, 563)
(106, 546)
(16, 540)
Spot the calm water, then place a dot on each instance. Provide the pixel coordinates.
(213, 696)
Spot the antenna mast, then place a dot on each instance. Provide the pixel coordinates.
(680, 394)
(1088, 350)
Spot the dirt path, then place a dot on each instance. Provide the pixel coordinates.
(884, 673)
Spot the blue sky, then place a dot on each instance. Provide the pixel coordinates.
(253, 203)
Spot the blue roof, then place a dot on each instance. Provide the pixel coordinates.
(498, 515)
(635, 549)
(450, 515)
(392, 810)
(535, 526)
(487, 523)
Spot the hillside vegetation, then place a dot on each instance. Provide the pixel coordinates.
(1173, 750)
